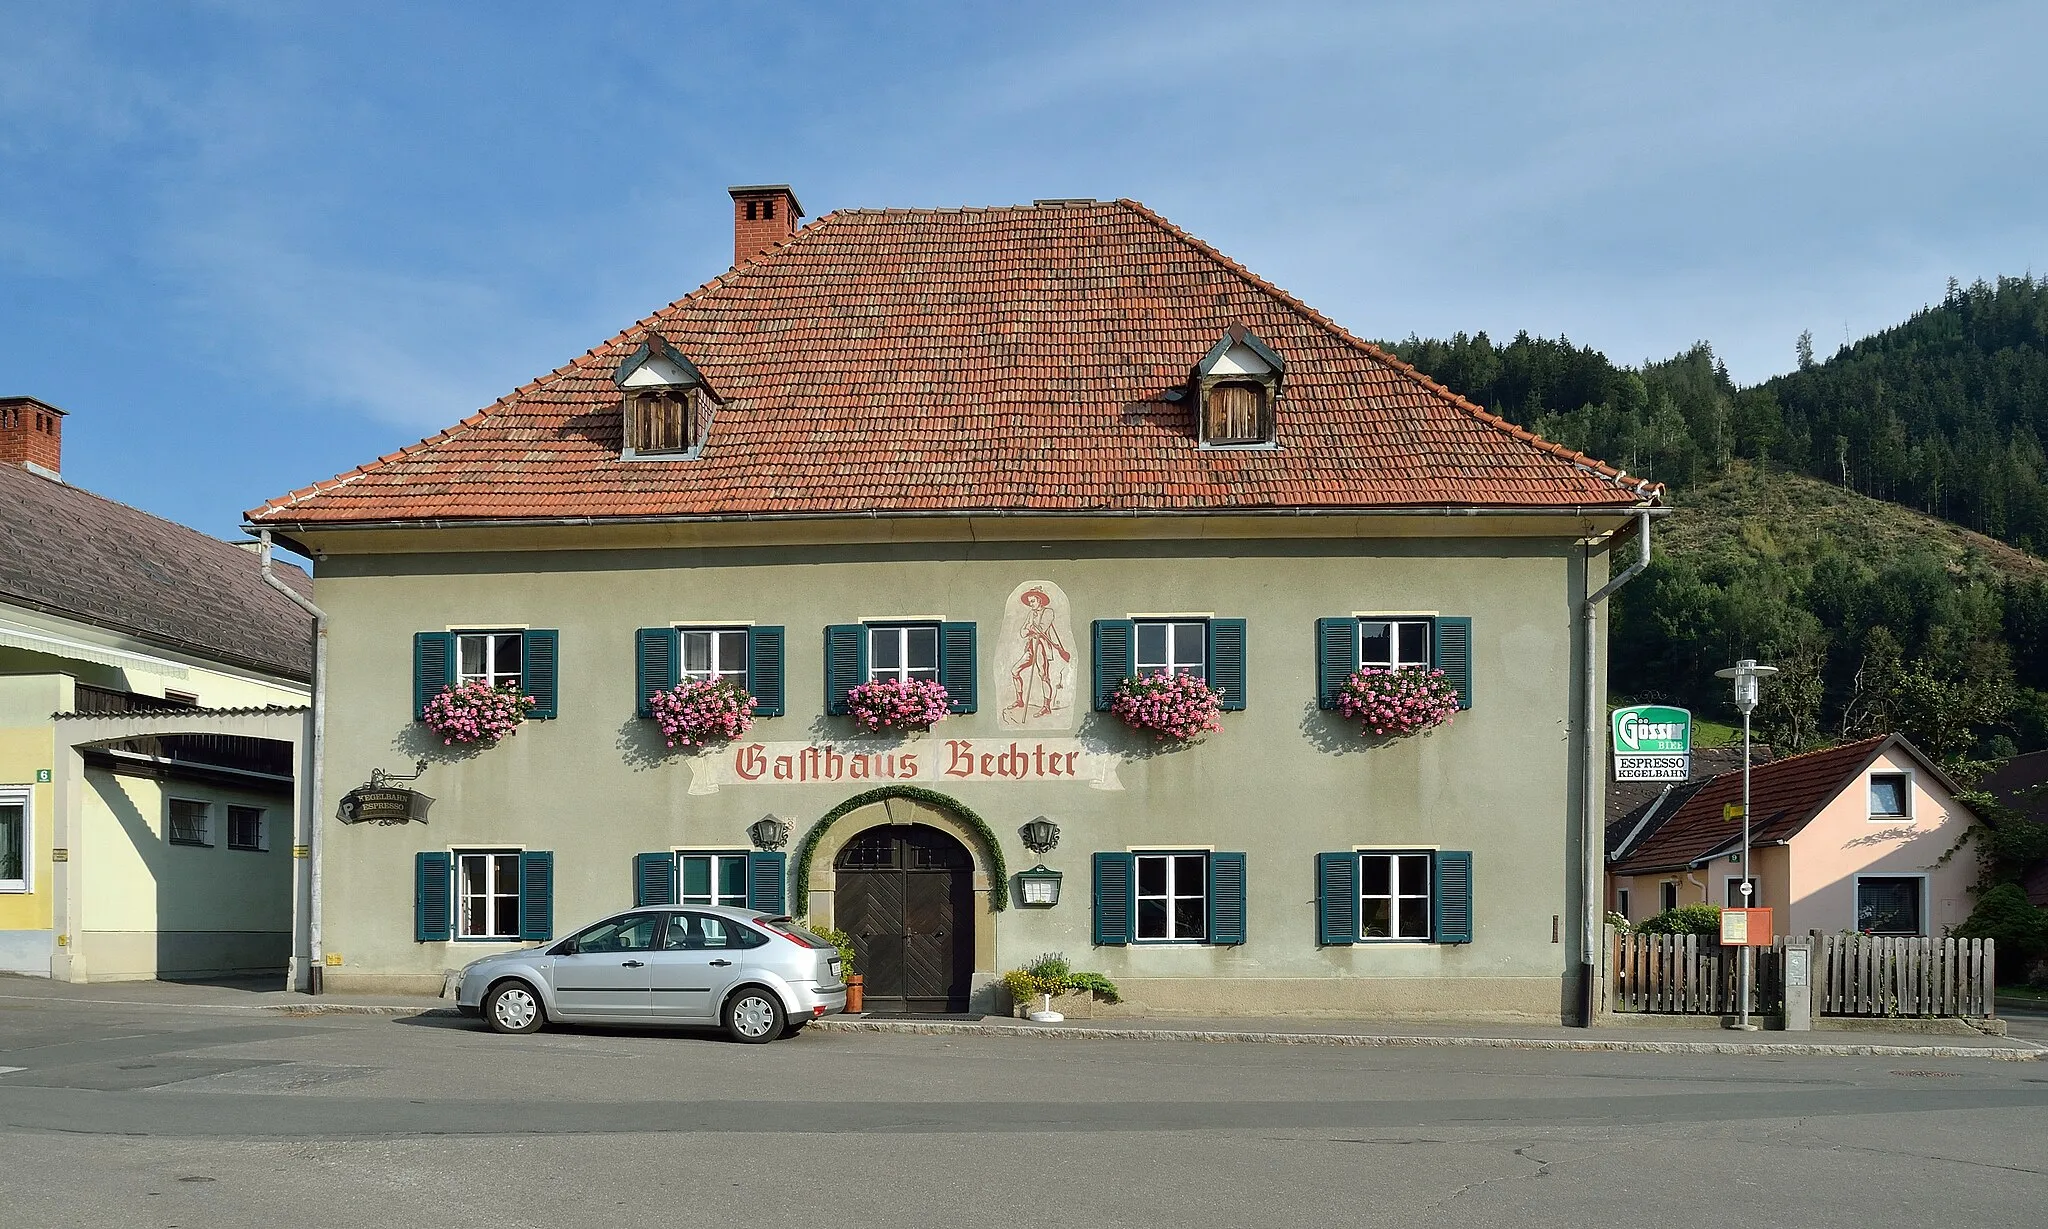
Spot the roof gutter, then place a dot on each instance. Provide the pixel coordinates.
(1592, 831)
(315, 761)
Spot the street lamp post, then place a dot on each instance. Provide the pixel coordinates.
(1746, 673)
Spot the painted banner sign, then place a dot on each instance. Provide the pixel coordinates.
(1652, 742)
(996, 760)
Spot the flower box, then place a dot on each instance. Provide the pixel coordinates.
(898, 704)
(698, 712)
(1394, 703)
(476, 713)
(1178, 707)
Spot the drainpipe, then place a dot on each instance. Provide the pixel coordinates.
(1592, 835)
(316, 758)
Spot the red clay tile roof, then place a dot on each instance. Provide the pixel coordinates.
(1784, 795)
(966, 360)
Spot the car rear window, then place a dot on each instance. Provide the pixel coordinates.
(791, 928)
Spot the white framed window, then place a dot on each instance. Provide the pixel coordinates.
(245, 829)
(1621, 901)
(1891, 796)
(1667, 896)
(713, 653)
(494, 658)
(1891, 904)
(1173, 897)
(901, 652)
(713, 878)
(1393, 644)
(17, 838)
(1171, 646)
(487, 894)
(188, 821)
(1733, 898)
(1394, 895)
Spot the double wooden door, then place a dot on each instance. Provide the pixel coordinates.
(904, 893)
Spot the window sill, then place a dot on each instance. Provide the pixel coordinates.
(1397, 943)
(1891, 819)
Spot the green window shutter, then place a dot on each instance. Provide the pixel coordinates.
(846, 663)
(1452, 897)
(654, 879)
(433, 668)
(1336, 657)
(958, 668)
(657, 664)
(536, 895)
(1226, 898)
(433, 884)
(765, 670)
(543, 671)
(1116, 898)
(1226, 661)
(1336, 898)
(768, 881)
(1452, 648)
(1115, 641)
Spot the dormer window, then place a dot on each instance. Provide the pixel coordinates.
(1237, 388)
(667, 405)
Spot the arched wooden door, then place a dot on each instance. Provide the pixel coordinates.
(904, 892)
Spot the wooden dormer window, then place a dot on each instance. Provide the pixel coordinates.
(666, 403)
(659, 420)
(1237, 392)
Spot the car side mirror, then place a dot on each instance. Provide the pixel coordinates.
(566, 947)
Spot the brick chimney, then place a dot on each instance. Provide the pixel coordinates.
(32, 435)
(763, 215)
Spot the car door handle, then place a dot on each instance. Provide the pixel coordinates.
(719, 964)
(629, 964)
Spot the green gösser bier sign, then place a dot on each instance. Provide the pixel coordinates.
(1652, 742)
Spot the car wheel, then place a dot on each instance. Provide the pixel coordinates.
(754, 1015)
(514, 1007)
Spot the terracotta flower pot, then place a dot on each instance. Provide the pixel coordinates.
(856, 987)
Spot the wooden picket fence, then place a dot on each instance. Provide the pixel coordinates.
(1853, 975)
(1887, 975)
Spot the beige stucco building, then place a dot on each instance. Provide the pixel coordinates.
(142, 834)
(1027, 454)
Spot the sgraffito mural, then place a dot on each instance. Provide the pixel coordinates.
(1035, 667)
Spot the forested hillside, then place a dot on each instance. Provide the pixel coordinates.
(1882, 616)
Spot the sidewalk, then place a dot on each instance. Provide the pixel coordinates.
(262, 995)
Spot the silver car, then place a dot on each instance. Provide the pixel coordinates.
(758, 976)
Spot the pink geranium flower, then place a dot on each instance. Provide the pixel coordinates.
(1398, 702)
(476, 713)
(1179, 707)
(702, 711)
(898, 704)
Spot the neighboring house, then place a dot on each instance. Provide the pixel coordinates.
(1856, 837)
(2022, 784)
(1633, 805)
(1027, 452)
(142, 832)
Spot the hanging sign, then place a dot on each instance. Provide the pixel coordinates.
(1652, 742)
(380, 802)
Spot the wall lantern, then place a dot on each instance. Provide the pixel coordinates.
(768, 832)
(1040, 835)
(1038, 887)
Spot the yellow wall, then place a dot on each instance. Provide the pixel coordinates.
(134, 879)
(28, 747)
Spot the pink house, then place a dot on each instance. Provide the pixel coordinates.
(1851, 838)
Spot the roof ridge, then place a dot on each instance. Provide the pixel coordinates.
(1580, 459)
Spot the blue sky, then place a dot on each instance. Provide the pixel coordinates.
(249, 245)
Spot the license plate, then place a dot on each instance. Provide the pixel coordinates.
(835, 970)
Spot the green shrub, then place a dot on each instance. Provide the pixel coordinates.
(837, 938)
(1051, 974)
(2004, 914)
(1685, 920)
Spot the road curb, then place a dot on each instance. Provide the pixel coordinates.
(354, 1009)
(1388, 1041)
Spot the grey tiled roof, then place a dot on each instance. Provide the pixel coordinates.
(69, 552)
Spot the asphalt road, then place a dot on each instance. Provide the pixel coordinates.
(205, 1116)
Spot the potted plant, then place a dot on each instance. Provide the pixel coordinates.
(1170, 707)
(1049, 990)
(698, 712)
(1395, 703)
(898, 704)
(856, 985)
(476, 712)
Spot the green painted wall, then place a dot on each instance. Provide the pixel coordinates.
(1281, 782)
